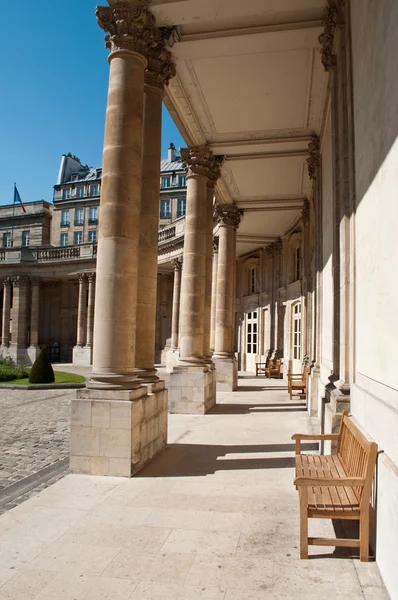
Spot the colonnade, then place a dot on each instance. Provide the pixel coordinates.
(21, 306)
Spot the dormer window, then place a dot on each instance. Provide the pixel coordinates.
(74, 177)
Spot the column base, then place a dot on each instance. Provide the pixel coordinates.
(332, 416)
(312, 393)
(192, 389)
(19, 354)
(32, 352)
(172, 359)
(117, 432)
(227, 373)
(82, 356)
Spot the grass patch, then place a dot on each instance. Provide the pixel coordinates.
(60, 377)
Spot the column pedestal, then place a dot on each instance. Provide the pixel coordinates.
(192, 389)
(118, 432)
(227, 373)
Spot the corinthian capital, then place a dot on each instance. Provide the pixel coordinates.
(228, 214)
(161, 67)
(177, 263)
(199, 160)
(130, 27)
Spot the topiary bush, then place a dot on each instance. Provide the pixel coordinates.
(42, 371)
(9, 370)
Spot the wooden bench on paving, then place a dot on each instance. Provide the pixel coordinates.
(336, 486)
(297, 383)
(274, 368)
(261, 366)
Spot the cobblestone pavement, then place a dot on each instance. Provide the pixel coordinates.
(34, 439)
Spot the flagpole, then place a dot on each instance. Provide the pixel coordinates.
(13, 215)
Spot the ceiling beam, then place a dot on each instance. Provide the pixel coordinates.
(254, 30)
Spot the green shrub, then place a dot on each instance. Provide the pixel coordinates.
(9, 370)
(42, 371)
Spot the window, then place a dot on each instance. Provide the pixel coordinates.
(182, 181)
(252, 280)
(93, 214)
(65, 218)
(94, 190)
(251, 333)
(80, 191)
(164, 209)
(165, 182)
(25, 238)
(181, 208)
(297, 331)
(74, 177)
(79, 216)
(78, 237)
(92, 235)
(297, 263)
(64, 239)
(7, 240)
(66, 194)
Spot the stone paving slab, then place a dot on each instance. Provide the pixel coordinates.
(214, 517)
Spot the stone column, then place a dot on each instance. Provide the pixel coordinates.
(119, 425)
(34, 319)
(214, 295)
(158, 73)
(176, 303)
(5, 337)
(20, 312)
(90, 309)
(229, 217)
(117, 255)
(81, 310)
(209, 269)
(192, 387)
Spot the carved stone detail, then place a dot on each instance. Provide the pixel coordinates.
(177, 263)
(199, 160)
(313, 160)
(228, 214)
(82, 277)
(215, 245)
(20, 280)
(90, 276)
(131, 27)
(326, 39)
(161, 68)
(6, 281)
(275, 249)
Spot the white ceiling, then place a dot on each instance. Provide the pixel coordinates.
(250, 83)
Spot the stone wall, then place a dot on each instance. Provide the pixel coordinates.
(375, 391)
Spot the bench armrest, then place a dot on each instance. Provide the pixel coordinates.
(312, 436)
(315, 436)
(321, 482)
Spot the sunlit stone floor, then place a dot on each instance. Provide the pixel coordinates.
(215, 517)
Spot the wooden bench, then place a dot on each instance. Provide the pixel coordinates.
(336, 486)
(274, 368)
(297, 383)
(262, 366)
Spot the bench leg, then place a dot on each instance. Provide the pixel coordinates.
(364, 536)
(303, 522)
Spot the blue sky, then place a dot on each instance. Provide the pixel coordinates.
(54, 84)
